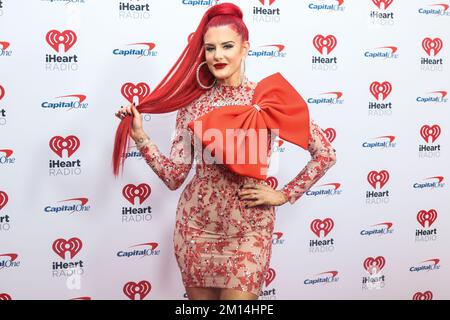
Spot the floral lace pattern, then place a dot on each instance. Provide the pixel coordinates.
(217, 241)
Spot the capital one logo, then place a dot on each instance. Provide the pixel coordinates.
(384, 3)
(384, 89)
(4, 45)
(142, 191)
(140, 90)
(62, 246)
(320, 43)
(269, 2)
(2, 92)
(432, 132)
(272, 182)
(70, 143)
(435, 44)
(322, 227)
(132, 289)
(66, 38)
(278, 235)
(374, 265)
(270, 276)
(380, 178)
(3, 199)
(426, 218)
(330, 133)
(427, 295)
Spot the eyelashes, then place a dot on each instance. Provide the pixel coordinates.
(209, 49)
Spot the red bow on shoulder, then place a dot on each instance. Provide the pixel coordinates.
(237, 134)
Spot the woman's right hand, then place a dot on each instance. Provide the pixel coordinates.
(136, 127)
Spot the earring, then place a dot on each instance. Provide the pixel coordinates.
(198, 78)
(243, 78)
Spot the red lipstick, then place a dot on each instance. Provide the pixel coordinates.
(220, 65)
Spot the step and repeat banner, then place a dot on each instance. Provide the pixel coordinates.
(375, 74)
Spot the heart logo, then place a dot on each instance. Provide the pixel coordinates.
(141, 90)
(435, 44)
(375, 177)
(270, 276)
(320, 43)
(432, 132)
(426, 218)
(331, 134)
(54, 38)
(61, 246)
(70, 143)
(325, 225)
(386, 3)
(3, 199)
(142, 191)
(272, 182)
(131, 289)
(374, 265)
(384, 88)
(5, 296)
(427, 295)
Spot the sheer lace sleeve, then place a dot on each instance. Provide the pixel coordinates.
(172, 170)
(323, 157)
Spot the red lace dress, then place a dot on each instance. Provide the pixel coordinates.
(218, 242)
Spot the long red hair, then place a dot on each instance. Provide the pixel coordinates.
(180, 87)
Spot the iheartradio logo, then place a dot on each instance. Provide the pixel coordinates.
(3, 199)
(270, 276)
(70, 143)
(427, 295)
(2, 92)
(382, 3)
(432, 132)
(375, 177)
(320, 43)
(426, 218)
(330, 133)
(5, 296)
(384, 89)
(374, 265)
(269, 2)
(435, 44)
(62, 246)
(272, 182)
(132, 289)
(142, 191)
(322, 226)
(140, 90)
(66, 38)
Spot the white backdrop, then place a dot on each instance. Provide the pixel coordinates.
(375, 75)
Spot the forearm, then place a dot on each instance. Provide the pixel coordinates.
(323, 157)
(171, 173)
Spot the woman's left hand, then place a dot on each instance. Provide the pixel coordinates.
(257, 194)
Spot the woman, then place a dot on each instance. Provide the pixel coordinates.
(224, 220)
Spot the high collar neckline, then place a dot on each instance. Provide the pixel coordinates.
(231, 88)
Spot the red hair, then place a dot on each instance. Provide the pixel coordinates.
(180, 87)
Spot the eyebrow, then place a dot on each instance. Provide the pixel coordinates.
(210, 44)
